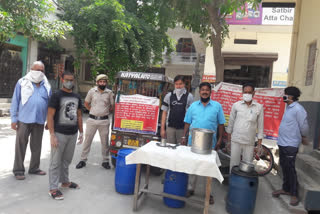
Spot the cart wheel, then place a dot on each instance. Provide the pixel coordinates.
(156, 170)
(265, 162)
(114, 162)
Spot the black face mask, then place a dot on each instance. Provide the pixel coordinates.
(204, 100)
(102, 87)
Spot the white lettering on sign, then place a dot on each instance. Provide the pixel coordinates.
(277, 16)
(133, 75)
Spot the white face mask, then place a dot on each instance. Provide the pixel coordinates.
(247, 97)
(36, 76)
(179, 91)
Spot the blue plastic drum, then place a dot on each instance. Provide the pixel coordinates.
(125, 174)
(175, 183)
(242, 193)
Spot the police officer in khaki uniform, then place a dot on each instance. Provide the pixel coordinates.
(99, 101)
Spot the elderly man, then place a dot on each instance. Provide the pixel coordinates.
(64, 122)
(293, 130)
(99, 102)
(175, 105)
(205, 114)
(28, 115)
(246, 120)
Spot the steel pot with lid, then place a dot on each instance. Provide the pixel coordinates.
(201, 141)
(245, 166)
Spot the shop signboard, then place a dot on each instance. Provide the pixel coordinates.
(271, 99)
(137, 113)
(209, 78)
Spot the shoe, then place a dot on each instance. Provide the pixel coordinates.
(37, 172)
(277, 193)
(211, 200)
(294, 201)
(105, 165)
(81, 164)
(190, 193)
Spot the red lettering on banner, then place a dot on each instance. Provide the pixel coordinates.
(272, 104)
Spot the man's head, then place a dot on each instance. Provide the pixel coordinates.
(68, 80)
(36, 74)
(248, 92)
(101, 81)
(38, 66)
(179, 82)
(205, 92)
(291, 94)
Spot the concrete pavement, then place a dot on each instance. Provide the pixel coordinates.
(97, 192)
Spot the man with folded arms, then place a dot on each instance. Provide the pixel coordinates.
(99, 102)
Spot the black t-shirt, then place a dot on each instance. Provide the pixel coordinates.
(66, 105)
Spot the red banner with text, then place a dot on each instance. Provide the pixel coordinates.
(271, 99)
(137, 113)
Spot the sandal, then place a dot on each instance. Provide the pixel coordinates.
(57, 195)
(277, 193)
(72, 185)
(20, 176)
(190, 193)
(38, 172)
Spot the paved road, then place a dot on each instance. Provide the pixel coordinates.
(97, 193)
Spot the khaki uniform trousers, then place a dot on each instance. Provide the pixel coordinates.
(92, 126)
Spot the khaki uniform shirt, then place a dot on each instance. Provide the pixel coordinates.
(100, 102)
(245, 122)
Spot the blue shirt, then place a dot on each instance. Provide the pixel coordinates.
(34, 110)
(205, 117)
(293, 125)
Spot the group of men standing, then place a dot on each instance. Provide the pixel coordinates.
(33, 102)
(246, 122)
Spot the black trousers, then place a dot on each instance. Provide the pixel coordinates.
(287, 162)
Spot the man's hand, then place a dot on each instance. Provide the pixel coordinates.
(183, 141)
(54, 141)
(259, 149)
(80, 139)
(305, 140)
(14, 126)
(163, 134)
(46, 127)
(217, 146)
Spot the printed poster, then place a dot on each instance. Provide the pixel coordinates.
(271, 99)
(137, 113)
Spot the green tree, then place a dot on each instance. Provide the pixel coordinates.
(119, 35)
(30, 17)
(207, 17)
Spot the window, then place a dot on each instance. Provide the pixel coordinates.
(185, 45)
(311, 63)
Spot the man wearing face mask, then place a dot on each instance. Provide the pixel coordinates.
(205, 114)
(175, 105)
(28, 115)
(293, 130)
(245, 121)
(99, 102)
(64, 122)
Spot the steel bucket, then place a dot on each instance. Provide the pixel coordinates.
(202, 141)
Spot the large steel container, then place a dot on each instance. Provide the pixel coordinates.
(201, 141)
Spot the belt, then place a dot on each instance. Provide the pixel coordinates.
(98, 117)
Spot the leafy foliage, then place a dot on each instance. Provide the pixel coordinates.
(207, 17)
(30, 17)
(119, 34)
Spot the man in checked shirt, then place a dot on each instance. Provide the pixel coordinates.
(246, 118)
